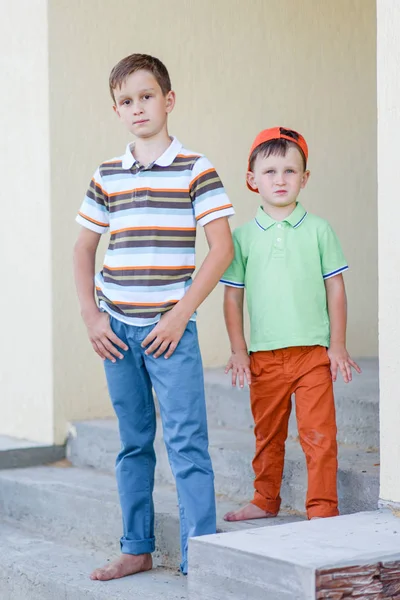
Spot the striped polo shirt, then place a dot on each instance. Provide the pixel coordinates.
(151, 213)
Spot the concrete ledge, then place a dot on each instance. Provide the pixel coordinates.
(300, 560)
(388, 504)
(36, 569)
(15, 453)
(81, 508)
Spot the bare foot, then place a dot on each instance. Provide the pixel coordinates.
(126, 564)
(248, 512)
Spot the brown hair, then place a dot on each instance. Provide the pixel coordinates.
(278, 147)
(137, 62)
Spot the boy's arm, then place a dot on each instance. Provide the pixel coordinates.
(337, 309)
(97, 322)
(167, 333)
(239, 361)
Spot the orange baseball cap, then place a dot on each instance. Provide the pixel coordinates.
(277, 133)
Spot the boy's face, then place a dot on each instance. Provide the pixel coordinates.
(279, 179)
(141, 105)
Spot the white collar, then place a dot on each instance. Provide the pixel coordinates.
(166, 159)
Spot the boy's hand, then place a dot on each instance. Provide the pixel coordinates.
(239, 362)
(102, 337)
(166, 335)
(340, 359)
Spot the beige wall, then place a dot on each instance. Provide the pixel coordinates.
(26, 381)
(389, 248)
(237, 66)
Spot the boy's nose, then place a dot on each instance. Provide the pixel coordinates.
(137, 109)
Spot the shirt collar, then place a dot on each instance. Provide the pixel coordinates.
(295, 219)
(166, 159)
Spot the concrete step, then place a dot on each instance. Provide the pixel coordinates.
(81, 508)
(357, 405)
(354, 556)
(33, 568)
(15, 453)
(96, 444)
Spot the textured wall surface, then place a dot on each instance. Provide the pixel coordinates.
(379, 581)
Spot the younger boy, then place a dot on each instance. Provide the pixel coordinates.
(290, 263)
(150, 199)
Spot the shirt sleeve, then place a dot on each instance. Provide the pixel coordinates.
(333, 261)
(208, 195)
(93, 213)
(235, 273)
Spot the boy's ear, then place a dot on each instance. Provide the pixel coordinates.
(305, 178)
(115, 109)
(170, 99)
(250, 180)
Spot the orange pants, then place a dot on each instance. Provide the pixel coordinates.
(276, 375)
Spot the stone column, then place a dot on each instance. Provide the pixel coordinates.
(26, 374)
(388, 72)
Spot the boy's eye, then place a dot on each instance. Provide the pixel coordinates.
(126, 102)
(289, 171)
(270, 171)
(146, 96)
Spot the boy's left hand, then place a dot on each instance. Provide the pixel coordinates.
(341, 360)
(166, 335)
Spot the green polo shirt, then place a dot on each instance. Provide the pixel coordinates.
(283, 266)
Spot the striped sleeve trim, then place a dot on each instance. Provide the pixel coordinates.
(212, 210)
(337, 272)
(89, 223)
(216, 214)
(232, 283)
(93, 220)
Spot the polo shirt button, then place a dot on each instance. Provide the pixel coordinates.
(278, 240)
(279, 226)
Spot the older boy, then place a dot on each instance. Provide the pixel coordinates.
(290, 263)
(150, 199)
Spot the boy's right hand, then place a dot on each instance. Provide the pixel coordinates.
(102, 337)
(239, 362)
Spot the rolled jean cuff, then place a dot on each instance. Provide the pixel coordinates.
(137, 546)
(184, 567)
(270, 506)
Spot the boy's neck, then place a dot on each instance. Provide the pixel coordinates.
(147, 150)
(278, 213)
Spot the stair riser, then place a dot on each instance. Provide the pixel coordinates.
(60, 516)
(234, 478)
(357, 419)
(239, 576)
(234, 474)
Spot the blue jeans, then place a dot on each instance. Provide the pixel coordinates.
(179, 385)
